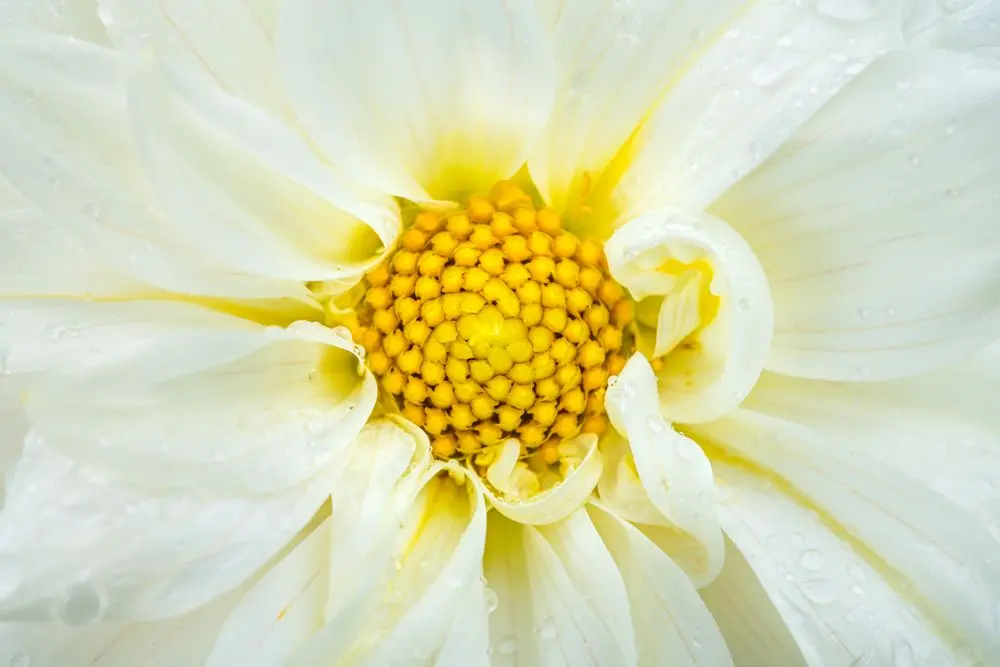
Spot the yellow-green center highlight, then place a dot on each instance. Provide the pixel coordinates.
(493, 322)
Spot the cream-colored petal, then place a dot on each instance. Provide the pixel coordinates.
(670, 468)
(561, 601)
(66, 145)
(704, 381)
(614, 60)
(936, 554)
(247, 189)
(755, 631)
(672, 625)
(428, 100)
(78, 18)
(417, 559)
(522, 496)
(968, 25)
(940, 428)
(187, 32)
(280, 611)
(839, 607)
(13, 426)
(40, 257)
(777, 63)
(185, 640)
(80, 545)
(875, 223)
(175, 395)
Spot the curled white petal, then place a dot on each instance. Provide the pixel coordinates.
(706, 381)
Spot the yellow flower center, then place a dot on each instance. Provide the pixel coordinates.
(493, 322)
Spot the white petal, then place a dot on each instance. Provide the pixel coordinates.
(174, 395)
(755, 631)
(245, 188)
(78, 18)
(422, 101)
(910, 534)
(187, 31)
(672, 625)
(561, 599)
(80, 545)
(280, 611)
(911, 144)
(547, 505)
(839, 607)
(185, 640)
(940, 428)
(13, 424)
(672, 470)
(416, 568)
(613, 62)
(38, 256)
(66, 145)
(777, 63)
(704, 382)
(969, 25)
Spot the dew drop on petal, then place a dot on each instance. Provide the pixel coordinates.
(507, 646)
(546, 629)
(492, 600)
(20, 660)
(82, 605)
(811, 560)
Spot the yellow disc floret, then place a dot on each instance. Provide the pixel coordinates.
(493, 322)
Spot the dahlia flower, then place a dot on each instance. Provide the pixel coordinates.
(513, 333)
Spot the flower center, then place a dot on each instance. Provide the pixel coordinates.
(493, 322)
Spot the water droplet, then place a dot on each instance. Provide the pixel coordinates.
(507, 645)
(742, 305)
(846, 10)
(492, 600)
(820, 591)
(811, 559)
(20, 660)
(317, 426)
(82, 605)
(546, 629)
(612, 381)
(914, 160)
(902, 653)
(950, 128)
(863, 314)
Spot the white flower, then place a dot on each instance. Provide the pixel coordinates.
(215, 206)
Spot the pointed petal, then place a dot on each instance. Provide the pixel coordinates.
(672, 624)
(614, 61)
(912, 144)
(280, 611)
(777, 63)
(546, 505)
(704, 381)
(417, 561)
(187, 32)
(673, 472)
(755, 631)
(247, 189)
(420, 101)
(170, 394)
(80, 545)
(937, 552)
(839, 607)
(66, 146)
(77, 19)
(561, 599)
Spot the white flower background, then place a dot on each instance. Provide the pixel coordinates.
(179, 489)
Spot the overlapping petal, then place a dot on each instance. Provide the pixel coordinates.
(705, 379)
(427, 101)
(662, 478)
(875, 224)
